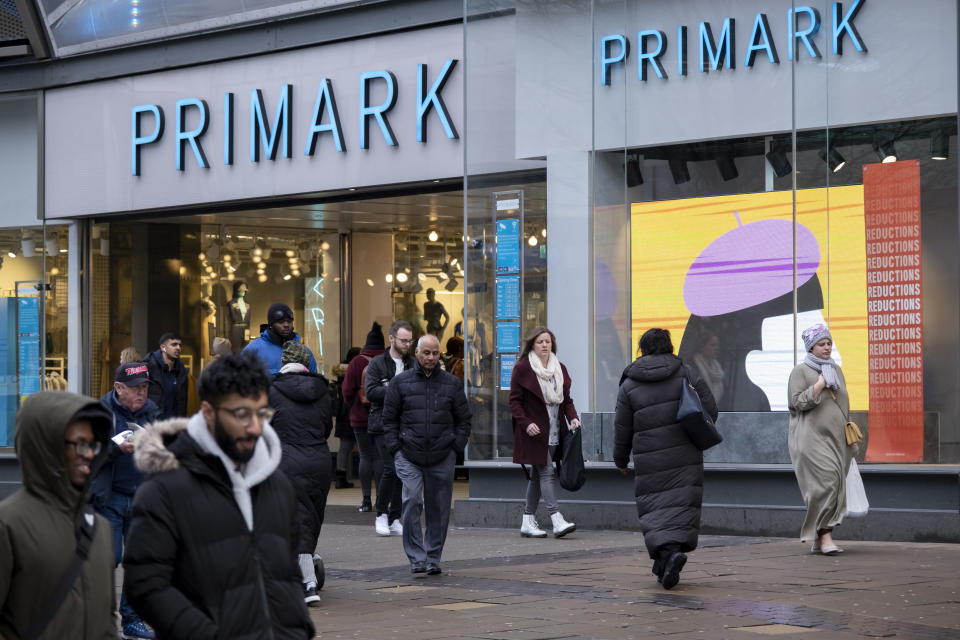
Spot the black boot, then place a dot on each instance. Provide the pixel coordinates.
(341, 482)
(366, 505)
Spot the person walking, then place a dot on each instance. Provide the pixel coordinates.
(355, 395)
(273, 335)
(542, 408)
(49, 537)
(380, 372)
(168, 377)
(341, 423)
(819, 406)
(213, 544)
(426, 420)
(668, 467)
(116, 482)
(303, 423)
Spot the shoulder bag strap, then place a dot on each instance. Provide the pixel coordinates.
(846, 416)
(85, 534)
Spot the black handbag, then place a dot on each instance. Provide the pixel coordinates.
(696, 422)
(571, 472)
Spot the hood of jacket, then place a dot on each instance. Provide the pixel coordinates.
(157, 357)
(372, 353)
(652, 368)
(40, 431)
(301, 387)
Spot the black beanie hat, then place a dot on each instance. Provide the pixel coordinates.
(277, 312)
(375, 337)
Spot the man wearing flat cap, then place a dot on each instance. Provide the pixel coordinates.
(273, 335)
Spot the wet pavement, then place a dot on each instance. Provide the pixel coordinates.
(596, 584)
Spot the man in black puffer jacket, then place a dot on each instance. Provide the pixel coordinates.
(213, 541)
(426, 420)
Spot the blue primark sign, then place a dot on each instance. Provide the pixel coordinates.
(720, 51)
(269, 137)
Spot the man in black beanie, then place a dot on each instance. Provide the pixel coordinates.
(278, 330)
(356, 399)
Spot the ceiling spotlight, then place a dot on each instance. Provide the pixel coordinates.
(257, 251)
(421, 276)
(227, 257)
(295, 273)
(325, 246)
(11, 254)
(632, 170)
(543, 232)
(201, 256)
(230, 276)
(433, 236)
(777, 157)
(266, 253)
(833, 159)
(262, 277)
(389, 278)
(442, 276)
(532, 240)
(679, 170)
(28, 246)
(370, 282)
(401, 277)
(727, 167)
(287, 277)
(54, 271)
(939, 145)
(885, 150)
(290, 253)
(453, 284)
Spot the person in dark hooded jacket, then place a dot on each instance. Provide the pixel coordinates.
(354, 395)
(303, 422)
(667, 465)
(61, 439)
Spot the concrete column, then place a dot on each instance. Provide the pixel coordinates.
(75, 360)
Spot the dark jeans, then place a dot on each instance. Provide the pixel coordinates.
(390, 488)
(370, 464)
(343, 454)
(426, 489)
(117, 513)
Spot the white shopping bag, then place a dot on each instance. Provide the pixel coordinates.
(857, 504)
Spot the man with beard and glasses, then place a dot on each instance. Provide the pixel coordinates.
(273, 335)
(212, 548)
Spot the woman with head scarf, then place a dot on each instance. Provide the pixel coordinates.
(819, 406)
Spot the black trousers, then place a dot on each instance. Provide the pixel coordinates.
(390, 488)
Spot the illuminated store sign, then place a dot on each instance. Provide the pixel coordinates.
(720, 52)
(275, 135)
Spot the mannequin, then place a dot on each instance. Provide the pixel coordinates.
(239, 316)
(208, 332)
(435, 315)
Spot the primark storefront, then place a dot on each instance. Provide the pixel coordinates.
(731, 171)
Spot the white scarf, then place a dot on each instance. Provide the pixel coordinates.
(549, 377)
(265, 460)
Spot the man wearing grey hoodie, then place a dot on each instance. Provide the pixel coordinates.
(212, 546)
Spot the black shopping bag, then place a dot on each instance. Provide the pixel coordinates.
(571, 473)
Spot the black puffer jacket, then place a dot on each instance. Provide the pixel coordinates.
(303, 422)
(380, 372)
(192, 567)
(668, 467)
(426, 416)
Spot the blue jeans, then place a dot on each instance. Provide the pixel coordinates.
(117, 513)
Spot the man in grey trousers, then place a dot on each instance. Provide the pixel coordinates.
(426, 421)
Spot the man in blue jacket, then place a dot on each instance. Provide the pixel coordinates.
(117, 480)
(278, 330)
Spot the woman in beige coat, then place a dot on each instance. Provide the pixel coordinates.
(819, 406)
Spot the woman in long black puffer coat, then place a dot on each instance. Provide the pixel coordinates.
(303, 421)
(668, 467)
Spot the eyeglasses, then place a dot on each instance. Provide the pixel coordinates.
(84, 447)
(402, 340)
(244, 415)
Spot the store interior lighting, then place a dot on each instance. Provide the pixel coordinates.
(885, 151)
(939, 145)
(28, 246)
(433, 236)
(532, 241)
(777, 157)
(11, 254)
(632, 168)
(833, 158)
(727, 167)
(679, 170)
(452, 285)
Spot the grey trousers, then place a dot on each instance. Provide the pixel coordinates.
(543, 482)
(429, 488)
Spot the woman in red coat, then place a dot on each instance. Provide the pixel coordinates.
(541, 406)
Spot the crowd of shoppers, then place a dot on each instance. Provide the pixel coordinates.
(179, 499)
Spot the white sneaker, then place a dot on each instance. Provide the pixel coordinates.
(531, 528)
(560, 526)
(396, 529)
(382, 526)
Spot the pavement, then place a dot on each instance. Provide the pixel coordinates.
(597, 584)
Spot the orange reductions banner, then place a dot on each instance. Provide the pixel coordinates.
(894, 314)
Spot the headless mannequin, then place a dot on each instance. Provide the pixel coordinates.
(239, 316)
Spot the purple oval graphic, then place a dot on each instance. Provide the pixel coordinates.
(749, 265)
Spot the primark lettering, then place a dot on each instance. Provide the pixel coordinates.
(803, 25)
(278, 136)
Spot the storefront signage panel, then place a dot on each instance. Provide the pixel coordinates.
(369, 112)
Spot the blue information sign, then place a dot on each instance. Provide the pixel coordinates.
(28, 345)
(508, 298)
(507, 361)
(508, 337)
(508, 246)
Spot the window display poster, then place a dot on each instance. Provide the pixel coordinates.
(508, 246)
(507, 362)
(894, 313)
(718, 273)
(28, 345)
(508, 298)
(508, 337)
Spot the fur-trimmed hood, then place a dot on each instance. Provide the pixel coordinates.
(151, 454)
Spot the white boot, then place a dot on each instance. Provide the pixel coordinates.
(560, 526)
(530, 528)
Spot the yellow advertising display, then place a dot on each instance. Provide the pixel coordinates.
(719, 273)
